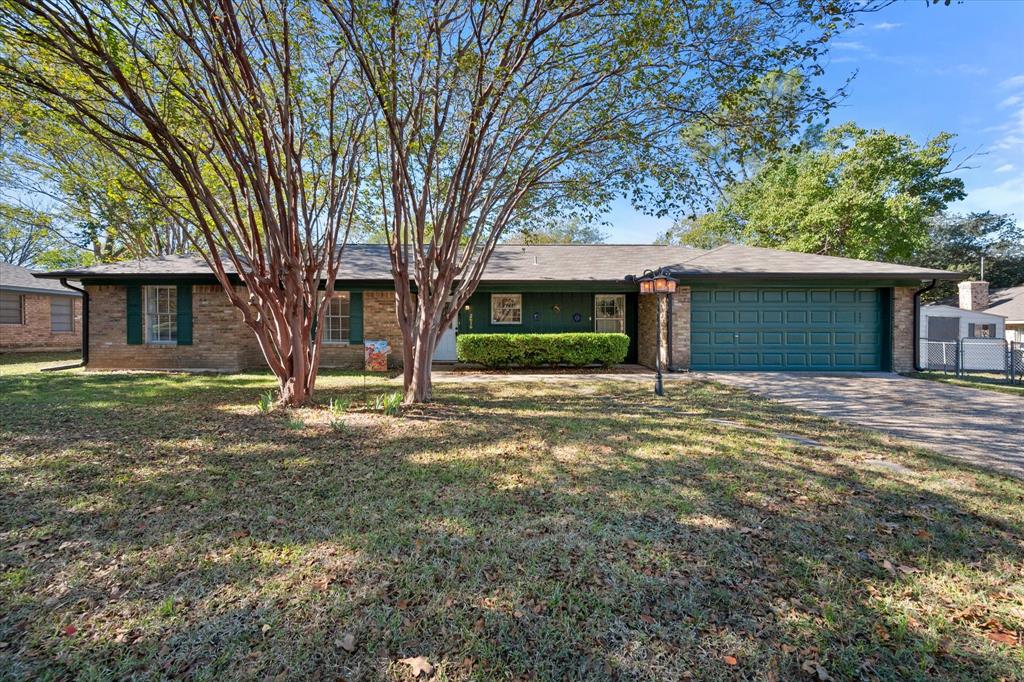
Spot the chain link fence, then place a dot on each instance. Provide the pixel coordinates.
(994, 358)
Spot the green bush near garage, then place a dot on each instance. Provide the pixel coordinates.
(542, 350)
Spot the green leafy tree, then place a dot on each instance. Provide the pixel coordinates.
(491, 112)
(241, 123)
(853, 192)
(959, 242)
(571, 230)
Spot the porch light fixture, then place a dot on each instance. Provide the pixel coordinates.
(659, 283)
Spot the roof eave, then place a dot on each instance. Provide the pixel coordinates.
(37, 290)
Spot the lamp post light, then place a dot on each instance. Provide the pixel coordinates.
(659, 284)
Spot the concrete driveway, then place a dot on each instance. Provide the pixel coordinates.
(982, 427)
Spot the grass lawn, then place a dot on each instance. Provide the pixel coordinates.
(986, 383)
(159, 526)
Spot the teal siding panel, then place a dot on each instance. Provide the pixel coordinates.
(184, 314)
(546, 313)
(355, 320)
(133, 314)
(789, 328)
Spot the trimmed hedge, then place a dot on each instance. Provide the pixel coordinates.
(539, 350)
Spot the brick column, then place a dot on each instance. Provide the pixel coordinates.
(903, 329)
(647, 314)
(681, 329)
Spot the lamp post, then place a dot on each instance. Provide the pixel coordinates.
(659, 284)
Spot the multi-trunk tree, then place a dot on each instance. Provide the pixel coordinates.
(489, 111)
(239, 120)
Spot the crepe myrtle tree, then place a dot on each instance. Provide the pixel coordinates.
(488, 112)
(251, 112)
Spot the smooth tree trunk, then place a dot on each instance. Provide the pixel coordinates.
(418, 356)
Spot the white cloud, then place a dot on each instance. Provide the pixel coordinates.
(886, 26)
(1010, 101)
(851, 45)
(1005, 197)
(1013, 82)
(1005, 168)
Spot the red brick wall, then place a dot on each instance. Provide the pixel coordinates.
(34, 332)
(220, 340)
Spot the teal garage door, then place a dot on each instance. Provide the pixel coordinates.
(791, 329)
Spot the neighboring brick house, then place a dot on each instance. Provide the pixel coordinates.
(37, 314)
(735, 308)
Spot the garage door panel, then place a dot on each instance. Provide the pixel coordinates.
(787, 328)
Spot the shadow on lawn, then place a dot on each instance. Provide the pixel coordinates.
(561, 533)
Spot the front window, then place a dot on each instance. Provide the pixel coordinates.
(161, 315)
(981, 331)
(336, 319)
(10, 308)
(62, 314)
(610, 313)
(506, 308)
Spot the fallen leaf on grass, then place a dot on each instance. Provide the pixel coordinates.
(239, 534)
(1003, 637)
(347, 642)
(730, 660)
(418, 665)
(647, 619)
(815, 668)
(70, 630)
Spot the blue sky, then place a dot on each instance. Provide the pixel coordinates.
(921, 70)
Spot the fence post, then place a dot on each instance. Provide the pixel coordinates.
(959, 356)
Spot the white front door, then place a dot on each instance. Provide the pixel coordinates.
(445, 350)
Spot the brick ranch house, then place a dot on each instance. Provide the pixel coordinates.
(736, 308)
(37, 314)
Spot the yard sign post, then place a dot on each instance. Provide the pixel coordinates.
(661, 285)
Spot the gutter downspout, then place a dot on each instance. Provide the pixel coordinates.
(917, 324)
(85, 319)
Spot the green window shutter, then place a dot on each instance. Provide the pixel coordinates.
(133, 313)
(184, 315)
(355, 320)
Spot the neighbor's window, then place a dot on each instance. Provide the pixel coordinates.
(161, 315)
(10, 308)
(336, 319)
(62, 314)
(506, 308)
(610, 313)
(981, 331)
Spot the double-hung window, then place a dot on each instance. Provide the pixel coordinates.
(11, 307)
(161, 314)
(62, 314)
(337, 318)
(506, 308)
(610, 313)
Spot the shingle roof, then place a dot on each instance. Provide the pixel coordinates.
(570, 263)
(1007, 302)
(17, 278)
(749, 261)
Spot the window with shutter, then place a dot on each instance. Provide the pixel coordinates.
(161, 315)
(11, 307)
(62, 314)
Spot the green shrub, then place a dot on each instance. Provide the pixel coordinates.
(266, 402)
(388, 403)
(540, 350)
